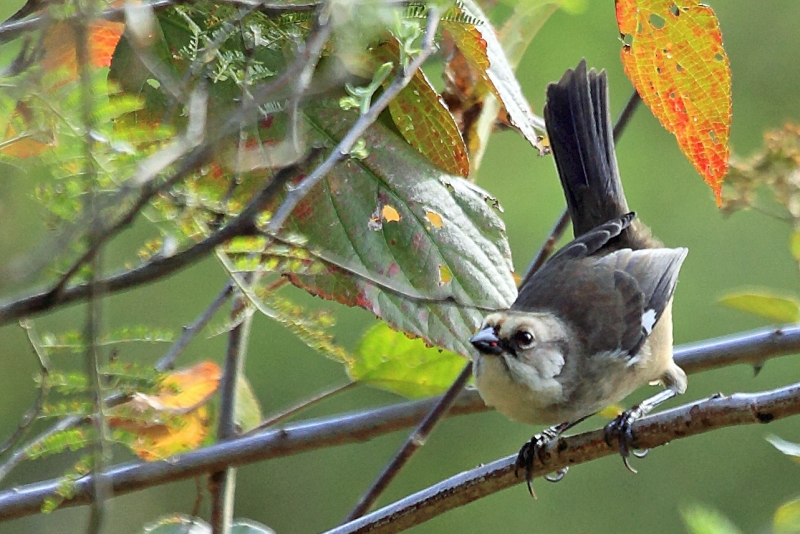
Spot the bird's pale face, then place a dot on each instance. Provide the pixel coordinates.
(520, 358)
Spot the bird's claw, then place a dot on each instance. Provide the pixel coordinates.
(535, 448)
(620, 428)
(557, 476)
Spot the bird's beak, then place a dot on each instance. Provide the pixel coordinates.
(486, 341)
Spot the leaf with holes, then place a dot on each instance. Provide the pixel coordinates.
(478, 42)
(421, 249)
(390, 360)
(673, 54)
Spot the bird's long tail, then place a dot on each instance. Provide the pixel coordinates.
(582, 141)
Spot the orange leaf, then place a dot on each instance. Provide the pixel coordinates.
(674, 57)
(60, 44)
(161, 441)
(175, 419)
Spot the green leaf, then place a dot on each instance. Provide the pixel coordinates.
(794, 245)
(787, 518)
(177, 524)
(248, 410)
(419, 248)
(390, 360)
(702, 520)
(764, 304)
(786, 447)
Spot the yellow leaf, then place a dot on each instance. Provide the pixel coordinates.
(787, 518)
(174, 420)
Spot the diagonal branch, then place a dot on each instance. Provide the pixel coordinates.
(747, 348)
(687, 420)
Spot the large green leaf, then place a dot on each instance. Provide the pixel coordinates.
(391, 360)
(421, 249)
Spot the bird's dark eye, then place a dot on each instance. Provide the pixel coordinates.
(523, 339)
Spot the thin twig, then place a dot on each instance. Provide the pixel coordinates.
(364, 121)
(413, 443)
(93, 359)
(35, 410)
(300, 406)
(548, 246)
(167, 361)
(222, 484)
(627, 114)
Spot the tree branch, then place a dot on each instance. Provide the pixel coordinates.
(413, 443)
(650, 432)
(755, 346)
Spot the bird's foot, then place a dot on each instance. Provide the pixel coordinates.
(620, 429)
(536, 448)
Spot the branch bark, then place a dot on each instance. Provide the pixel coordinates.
(687, 420)
(748, 348)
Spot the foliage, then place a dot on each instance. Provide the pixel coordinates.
(198, 113)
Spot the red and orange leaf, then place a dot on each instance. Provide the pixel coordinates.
(174, 420)
(190, 387)
(161, 441)
(60, 45)
(481, 48)
(675, 59)
(423, 119)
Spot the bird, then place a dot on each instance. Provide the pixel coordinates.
(594, 323)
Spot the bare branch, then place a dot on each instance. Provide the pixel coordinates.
(759, 345)
(687, 420)
(222, 484)
(300, 406)
(189, 332)
(413, 443)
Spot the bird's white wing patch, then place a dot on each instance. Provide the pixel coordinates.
(648, 321)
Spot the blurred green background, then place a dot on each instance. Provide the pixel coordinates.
(733, 470)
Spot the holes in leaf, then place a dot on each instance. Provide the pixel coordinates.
(390, 214)
(713, 137)
(435, 219)
(718, 57)
(678, 67)
(445, 275)
(657, 21)
(627, 39)
(674, 11)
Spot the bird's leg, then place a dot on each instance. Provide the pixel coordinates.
(620, 428)
(536, 447)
